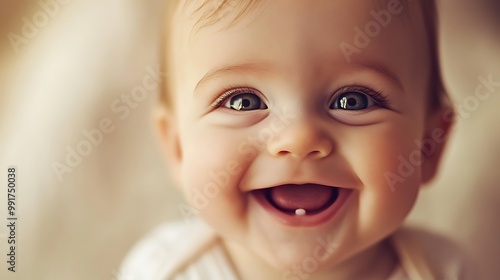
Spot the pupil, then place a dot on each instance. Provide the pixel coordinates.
(245, 103)
(351, 102)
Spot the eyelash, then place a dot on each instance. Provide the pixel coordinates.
(377, 96)
(230, 91)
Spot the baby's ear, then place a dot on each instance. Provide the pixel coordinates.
(438, 126)
(168, 134)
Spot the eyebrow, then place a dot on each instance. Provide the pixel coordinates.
(379, 68)
(244, 68)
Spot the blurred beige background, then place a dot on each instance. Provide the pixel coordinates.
(78, 64)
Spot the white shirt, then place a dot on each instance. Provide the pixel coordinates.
(193, 251)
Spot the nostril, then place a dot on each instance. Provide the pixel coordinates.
(311, 154)
(309, 145)
(316, 154)
(283, 153)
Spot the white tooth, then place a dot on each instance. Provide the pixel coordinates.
(300, 212)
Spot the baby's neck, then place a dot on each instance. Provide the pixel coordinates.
(378, 262)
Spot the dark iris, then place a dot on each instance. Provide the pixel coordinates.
(351, 101)
(246, 102)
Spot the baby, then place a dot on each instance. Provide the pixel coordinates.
(300, 132)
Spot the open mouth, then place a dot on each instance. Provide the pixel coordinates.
(302, 205)
(311, 198)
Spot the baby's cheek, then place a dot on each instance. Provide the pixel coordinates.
(390, 181)
(392, 169)
(211, 172)
(390, 160)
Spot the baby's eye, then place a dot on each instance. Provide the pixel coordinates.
(353, 101)
(245, 102)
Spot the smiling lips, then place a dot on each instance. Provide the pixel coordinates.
(302, 205)
(310, 197)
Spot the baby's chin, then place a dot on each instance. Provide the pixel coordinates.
(287, 259)
(285, 248)
(284, 257)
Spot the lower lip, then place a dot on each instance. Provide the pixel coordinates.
(304, 220)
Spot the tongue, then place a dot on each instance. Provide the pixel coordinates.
(309, 197)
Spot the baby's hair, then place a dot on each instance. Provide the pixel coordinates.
(209, 12)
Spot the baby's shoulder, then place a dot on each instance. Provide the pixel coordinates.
(447, 257)
(165, 250)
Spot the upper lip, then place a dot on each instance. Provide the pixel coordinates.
(283, 183)
(281, 174)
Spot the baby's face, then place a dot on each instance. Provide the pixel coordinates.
(290, 108)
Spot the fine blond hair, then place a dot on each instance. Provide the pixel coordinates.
(209, 12)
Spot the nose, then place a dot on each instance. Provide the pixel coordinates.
(301, 139)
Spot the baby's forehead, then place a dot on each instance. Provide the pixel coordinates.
(322, 35)
(208, 12)
(358, 23)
